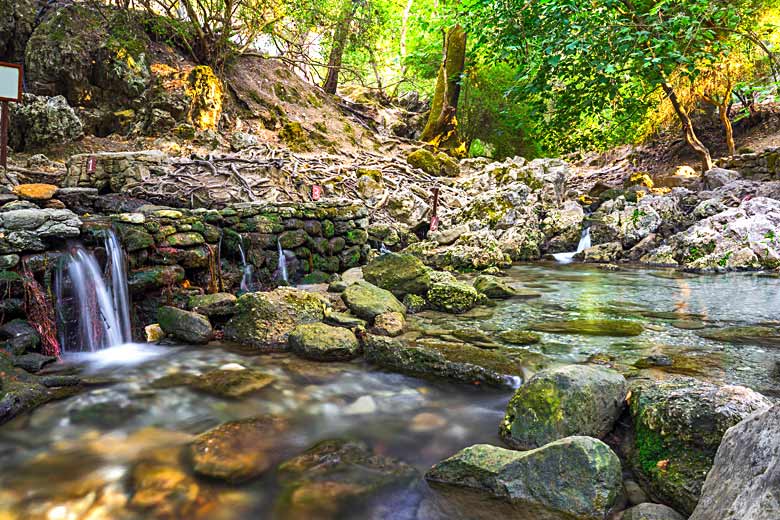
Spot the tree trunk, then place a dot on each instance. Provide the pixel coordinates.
(690, 134)
(339, 44)
(441, 129)
(723, 111)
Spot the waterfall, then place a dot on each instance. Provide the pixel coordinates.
(101, 315)
(282, 263)
(248, 269)
(565, 258)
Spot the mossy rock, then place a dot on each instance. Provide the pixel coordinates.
(149, 278)
(572, 478)
(321, 342)
(585, 327)
(459, 362)
(678, 424)
(231, 383)
(399, 273)
(368, 301)
(564, 401)
(296, 137)
(493, 287)
(186, 326)
(264, 320)
(211, 305)
(186, 239)
(425, 161)
(453, 296)
(749, 335)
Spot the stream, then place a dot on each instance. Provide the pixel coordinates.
(74, 458)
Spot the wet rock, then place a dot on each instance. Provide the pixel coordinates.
(41, 121)
(238, 451)
(18, 336)
(458, 362)
(575, 477)
(367, 301)
(211, 305)
(427, 422)
(450, 295)
(321, 342)
(678, 426)
(560, 402)
(649, 511)
(33, 362)
(745, 477)
(398, 273)
(493, 287)
(635, 495)
(749, 335)
(414, 303)
(149, 278)
(602, 253)
(389, 324)
(185, 325)
(519, 337)
(106, 415)
(264, 320)
(235, 384)
(326, 479)
(153, 333)
(585, 327)
(345, 319)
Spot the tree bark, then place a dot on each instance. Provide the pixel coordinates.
(690, 134)
(441, 129)
(339, 44)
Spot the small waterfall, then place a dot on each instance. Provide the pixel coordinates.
(566, 258)
(383, 249)
(282, 269)
(101, 314)
(248, 269)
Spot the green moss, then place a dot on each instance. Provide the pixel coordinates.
(651, 448)
(295, 136)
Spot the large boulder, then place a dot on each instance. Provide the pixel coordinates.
(42, 121)
(213, 305)
(678, 426)
(16, 25)
(447, 294)
(264, 320)
(455, 361)
(367, 301)
(744, 482)
(240, 450)
(321, 342)
(400, 274)
(560, 402)
(572, 478)
(185, 325)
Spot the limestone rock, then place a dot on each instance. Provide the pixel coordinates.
(321, 342)
(41, 121)
(389, 324)
(744, 480)
(367, 301)
(493, 287)
(238, 451)
(398, 273)
(450, 295)
(264, 320)
(559, 402)
(575, 477)
(678, 425)
(184, 325)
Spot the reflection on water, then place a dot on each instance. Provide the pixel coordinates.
(119, 450)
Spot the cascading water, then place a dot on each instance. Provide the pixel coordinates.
(566, 258)
(100, 316)
(248, 269)
(282, 263)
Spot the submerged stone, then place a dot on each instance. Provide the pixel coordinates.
(519, 337)
(321, 342)
(560, 402)
(240, 450)
(231, 383)
(572, 478)
(751, 335)
(616, 328)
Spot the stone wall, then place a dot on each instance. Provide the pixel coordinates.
(763, 165)
(113, 172)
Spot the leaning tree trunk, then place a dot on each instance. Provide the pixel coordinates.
(442, 127)
(339, 44)
(723, 111)
(690, 134)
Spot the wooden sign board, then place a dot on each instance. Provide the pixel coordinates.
(10, 82)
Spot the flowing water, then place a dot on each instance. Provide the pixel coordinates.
(247, 278)
(584, 243)
(282, 261)
(79, 454)
(91, 315)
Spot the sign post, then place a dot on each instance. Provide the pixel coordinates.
(10, 90)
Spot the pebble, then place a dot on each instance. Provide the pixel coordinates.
(426, 422)
(363, 405)
(232, 367)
